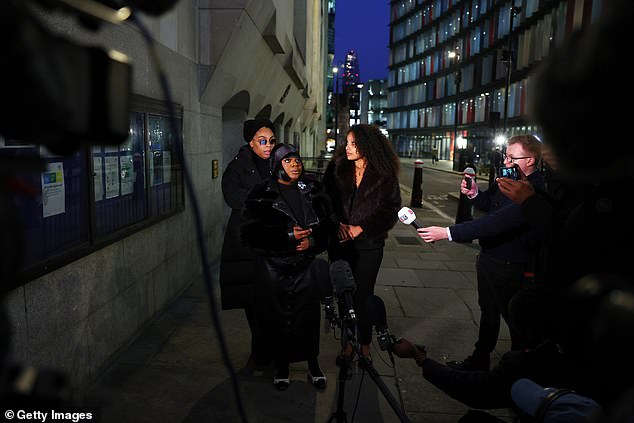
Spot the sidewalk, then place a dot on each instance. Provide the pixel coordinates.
(174, 371)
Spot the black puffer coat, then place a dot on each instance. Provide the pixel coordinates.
(287, 297)
(237, 261)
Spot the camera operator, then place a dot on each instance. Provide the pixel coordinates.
(506, 249)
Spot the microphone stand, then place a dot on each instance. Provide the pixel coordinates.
(344, 362)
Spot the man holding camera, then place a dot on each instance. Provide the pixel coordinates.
(506, 247)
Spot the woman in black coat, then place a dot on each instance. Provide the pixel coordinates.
(237, 263)
(286, 222)
(362, 182)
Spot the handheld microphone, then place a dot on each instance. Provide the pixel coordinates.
(469, 176)
(408, 217)
(343, 281)
(375, 309)
(320, 273)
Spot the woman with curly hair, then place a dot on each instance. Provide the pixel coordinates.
(362, 182)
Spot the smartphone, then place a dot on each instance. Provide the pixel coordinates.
(468, 180)
(509, 172)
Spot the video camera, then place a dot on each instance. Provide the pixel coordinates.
(56, 91)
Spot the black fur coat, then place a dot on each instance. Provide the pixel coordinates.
(374, 205)
(268, 224)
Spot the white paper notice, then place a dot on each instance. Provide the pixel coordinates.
(98, 169)
(127, 175)
(112, 177)
(53, 191)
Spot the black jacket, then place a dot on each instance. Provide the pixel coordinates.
(268, 222)
(503, 232)
(374, 205)
(237, 262)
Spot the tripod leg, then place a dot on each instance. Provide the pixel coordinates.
(339, 416)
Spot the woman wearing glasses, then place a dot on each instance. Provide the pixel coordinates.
(237, 264)
(287, 222)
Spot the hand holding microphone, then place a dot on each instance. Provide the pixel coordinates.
(408, 217)
(429, 235)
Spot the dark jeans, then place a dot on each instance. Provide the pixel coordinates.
(498, 281)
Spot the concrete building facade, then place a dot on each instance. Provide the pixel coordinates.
(226, 61)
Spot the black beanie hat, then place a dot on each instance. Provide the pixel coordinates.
(254, 125)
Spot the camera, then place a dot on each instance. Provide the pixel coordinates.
(509, 172)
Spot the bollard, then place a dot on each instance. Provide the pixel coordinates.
(417, 186)
(465, 208)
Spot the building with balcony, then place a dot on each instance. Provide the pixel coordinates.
(460, 70)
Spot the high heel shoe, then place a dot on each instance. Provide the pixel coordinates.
(281, 381)
(318, 378)
(281, 384)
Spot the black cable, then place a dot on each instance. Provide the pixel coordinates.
(196, 212)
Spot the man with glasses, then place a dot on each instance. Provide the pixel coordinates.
(506, 249)
(251, 166)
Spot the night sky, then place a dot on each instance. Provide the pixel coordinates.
(362, 25)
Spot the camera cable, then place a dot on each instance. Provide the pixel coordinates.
(150, 42)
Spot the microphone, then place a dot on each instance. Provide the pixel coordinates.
(343, 281)
(469, 176)
(320, 273)
(408, 217)
(375, 309)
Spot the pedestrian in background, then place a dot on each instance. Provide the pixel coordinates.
(506, 249)
(362, 182)
(286, 222)
(237, 263)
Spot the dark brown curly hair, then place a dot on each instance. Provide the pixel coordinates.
(374, 147)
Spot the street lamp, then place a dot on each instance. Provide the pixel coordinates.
(335, 71)
(455, 58)
(513, 12)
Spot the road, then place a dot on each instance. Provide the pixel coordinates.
(437, 186)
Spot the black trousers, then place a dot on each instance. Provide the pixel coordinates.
(365, 265)
(498, 282)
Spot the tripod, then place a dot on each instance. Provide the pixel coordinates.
(344, 361)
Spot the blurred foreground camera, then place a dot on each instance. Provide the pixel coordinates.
(57, 92)
(509, 172)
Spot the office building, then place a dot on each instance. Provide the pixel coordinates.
(450, 83)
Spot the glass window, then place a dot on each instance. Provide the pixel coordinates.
(97, 193)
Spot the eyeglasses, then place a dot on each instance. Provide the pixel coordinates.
(264, 141)
(295, 160)
(513, 159)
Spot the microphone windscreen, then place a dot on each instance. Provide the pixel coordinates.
(342, 277)
(375, 310)
(406, 215)
(320, 273)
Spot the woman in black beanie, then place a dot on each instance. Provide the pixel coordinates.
(286, 222)
(237, 263)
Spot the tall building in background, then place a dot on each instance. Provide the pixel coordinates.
(374, 103)
(350, 71)
(450, 83)
(330, 84)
